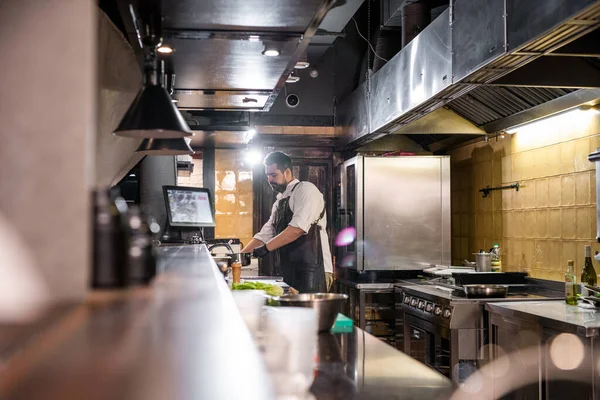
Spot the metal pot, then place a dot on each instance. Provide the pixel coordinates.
(485, 291)
(483, 262)
(244, 258)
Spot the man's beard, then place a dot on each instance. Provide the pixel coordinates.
(278, 188)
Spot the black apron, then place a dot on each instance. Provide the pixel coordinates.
(301, 262)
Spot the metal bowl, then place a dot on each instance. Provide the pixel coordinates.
(327, 305)
(485, 291)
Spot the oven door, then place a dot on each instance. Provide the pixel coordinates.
(350, 212)
(427, 343)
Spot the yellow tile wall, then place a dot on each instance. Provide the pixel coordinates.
(233, 196)
(552, 216)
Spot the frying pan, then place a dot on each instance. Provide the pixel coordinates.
(479, 291)
(485, 291)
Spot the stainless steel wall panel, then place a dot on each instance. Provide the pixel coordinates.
(418, 72)
(478, 35)
(530, 19)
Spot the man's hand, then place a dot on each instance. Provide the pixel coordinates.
(260, 252)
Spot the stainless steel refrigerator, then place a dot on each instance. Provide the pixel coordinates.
(400, 208)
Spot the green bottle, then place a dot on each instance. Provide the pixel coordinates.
(588, 275)
(570, 284)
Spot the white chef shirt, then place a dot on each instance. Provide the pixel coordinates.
(307, 203)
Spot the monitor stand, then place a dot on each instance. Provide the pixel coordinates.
(177, 235)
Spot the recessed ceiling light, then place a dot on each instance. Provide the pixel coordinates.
(292, 79)
(302, 65)
(271, 52)
(253, 38)
(165, 50)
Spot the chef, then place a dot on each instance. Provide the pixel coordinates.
(296, 229)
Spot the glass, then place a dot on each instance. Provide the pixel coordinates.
(249, 304)
(289, 346)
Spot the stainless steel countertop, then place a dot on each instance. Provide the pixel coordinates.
(357, 365)
(182, 337)
(556, 314)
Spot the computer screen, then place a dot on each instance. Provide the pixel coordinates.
(189, 206)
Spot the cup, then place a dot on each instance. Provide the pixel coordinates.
(290, 346)
(236, 271)
(250, 303)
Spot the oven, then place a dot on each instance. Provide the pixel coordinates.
(428, 343)
(443, 335)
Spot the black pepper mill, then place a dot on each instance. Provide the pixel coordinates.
(109, 244)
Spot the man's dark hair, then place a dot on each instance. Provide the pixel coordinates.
(280, 159)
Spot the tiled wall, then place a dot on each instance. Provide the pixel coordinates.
(551, 217)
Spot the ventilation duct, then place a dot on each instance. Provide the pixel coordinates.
(468, 47)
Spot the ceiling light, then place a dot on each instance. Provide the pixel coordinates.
(165, 50)
(165, 147)
(523, 127)
(253, 157)
(152, 113)
(253, 38)
(292, 79)
(302, 65)
(271, 52)
(314, 72)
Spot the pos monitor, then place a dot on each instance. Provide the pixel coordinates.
(189, 209)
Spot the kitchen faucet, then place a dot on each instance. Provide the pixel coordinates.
(226, 245)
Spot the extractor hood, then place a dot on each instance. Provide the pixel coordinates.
(486, 61)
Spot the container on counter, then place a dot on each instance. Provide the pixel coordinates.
(496, 258)
(109, 242)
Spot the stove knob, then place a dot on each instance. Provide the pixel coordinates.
(406, 299)
(438, 310)
(429, 307)
(421, 305)
(447, 313)
(413, 302)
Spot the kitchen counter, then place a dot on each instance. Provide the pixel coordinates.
(180, 338)
(357, 365)
(183, 338)
(556, 314)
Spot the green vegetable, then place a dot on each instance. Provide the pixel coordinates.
(271, 290)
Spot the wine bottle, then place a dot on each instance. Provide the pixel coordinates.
(588, 275)
(570, 284)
